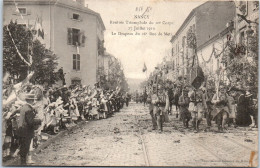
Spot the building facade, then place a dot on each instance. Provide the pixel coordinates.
(70, 29)
(210, 54)
(244, 28)
(207, 22)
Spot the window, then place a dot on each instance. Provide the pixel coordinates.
(22, 10)
(76, 62)
(76, 82)
(76, 37)
(75, 16)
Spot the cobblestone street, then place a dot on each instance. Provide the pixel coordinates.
(126, 139)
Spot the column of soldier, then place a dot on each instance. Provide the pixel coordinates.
(226, 106)
(29, 112)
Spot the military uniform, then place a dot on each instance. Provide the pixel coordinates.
(197, 112)
(208, 95)
(220, 114)
(151, 106)
(159, 102)
(184, 101)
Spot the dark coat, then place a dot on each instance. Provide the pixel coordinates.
(243, 116)
(27, 122)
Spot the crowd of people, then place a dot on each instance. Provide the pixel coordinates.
(226, 105)
(29, 110)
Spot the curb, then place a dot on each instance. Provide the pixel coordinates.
(14, 161)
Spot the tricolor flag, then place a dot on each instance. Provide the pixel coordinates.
(144, 68)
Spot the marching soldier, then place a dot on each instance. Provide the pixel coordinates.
(208, 105)
(184, 102)
(159, 102)
(152, 97)
(199, 108)
(220, 101)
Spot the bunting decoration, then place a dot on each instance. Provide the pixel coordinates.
(18, 52)
(17, 9)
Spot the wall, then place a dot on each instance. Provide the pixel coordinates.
(204, 54)
(211, 18)
(180, 50)
(55, 23)
(252, 14)
(88, 53)
(40, 10)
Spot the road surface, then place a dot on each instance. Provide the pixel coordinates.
(126, 139)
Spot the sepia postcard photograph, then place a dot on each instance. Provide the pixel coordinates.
(169, 83)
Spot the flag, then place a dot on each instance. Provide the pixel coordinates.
(77, 45)
(144, 68)
(38, 27)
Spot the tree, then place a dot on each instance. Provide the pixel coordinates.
(241, 66)
(116, 77)
(43, 61)
(12, 63)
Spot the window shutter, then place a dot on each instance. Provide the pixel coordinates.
(78, 62)
(82, 38)
(69, 36)
(74, 62)
(80, 18)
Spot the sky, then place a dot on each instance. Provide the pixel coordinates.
(134, 51)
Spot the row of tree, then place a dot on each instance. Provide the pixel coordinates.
(20, 48)
(115, 77)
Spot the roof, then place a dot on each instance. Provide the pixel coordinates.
(192, 13)
(217, 36)
(64, 3)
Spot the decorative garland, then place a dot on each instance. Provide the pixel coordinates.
(213, 52)
(20, 55)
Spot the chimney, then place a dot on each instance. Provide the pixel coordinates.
(82, 2)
